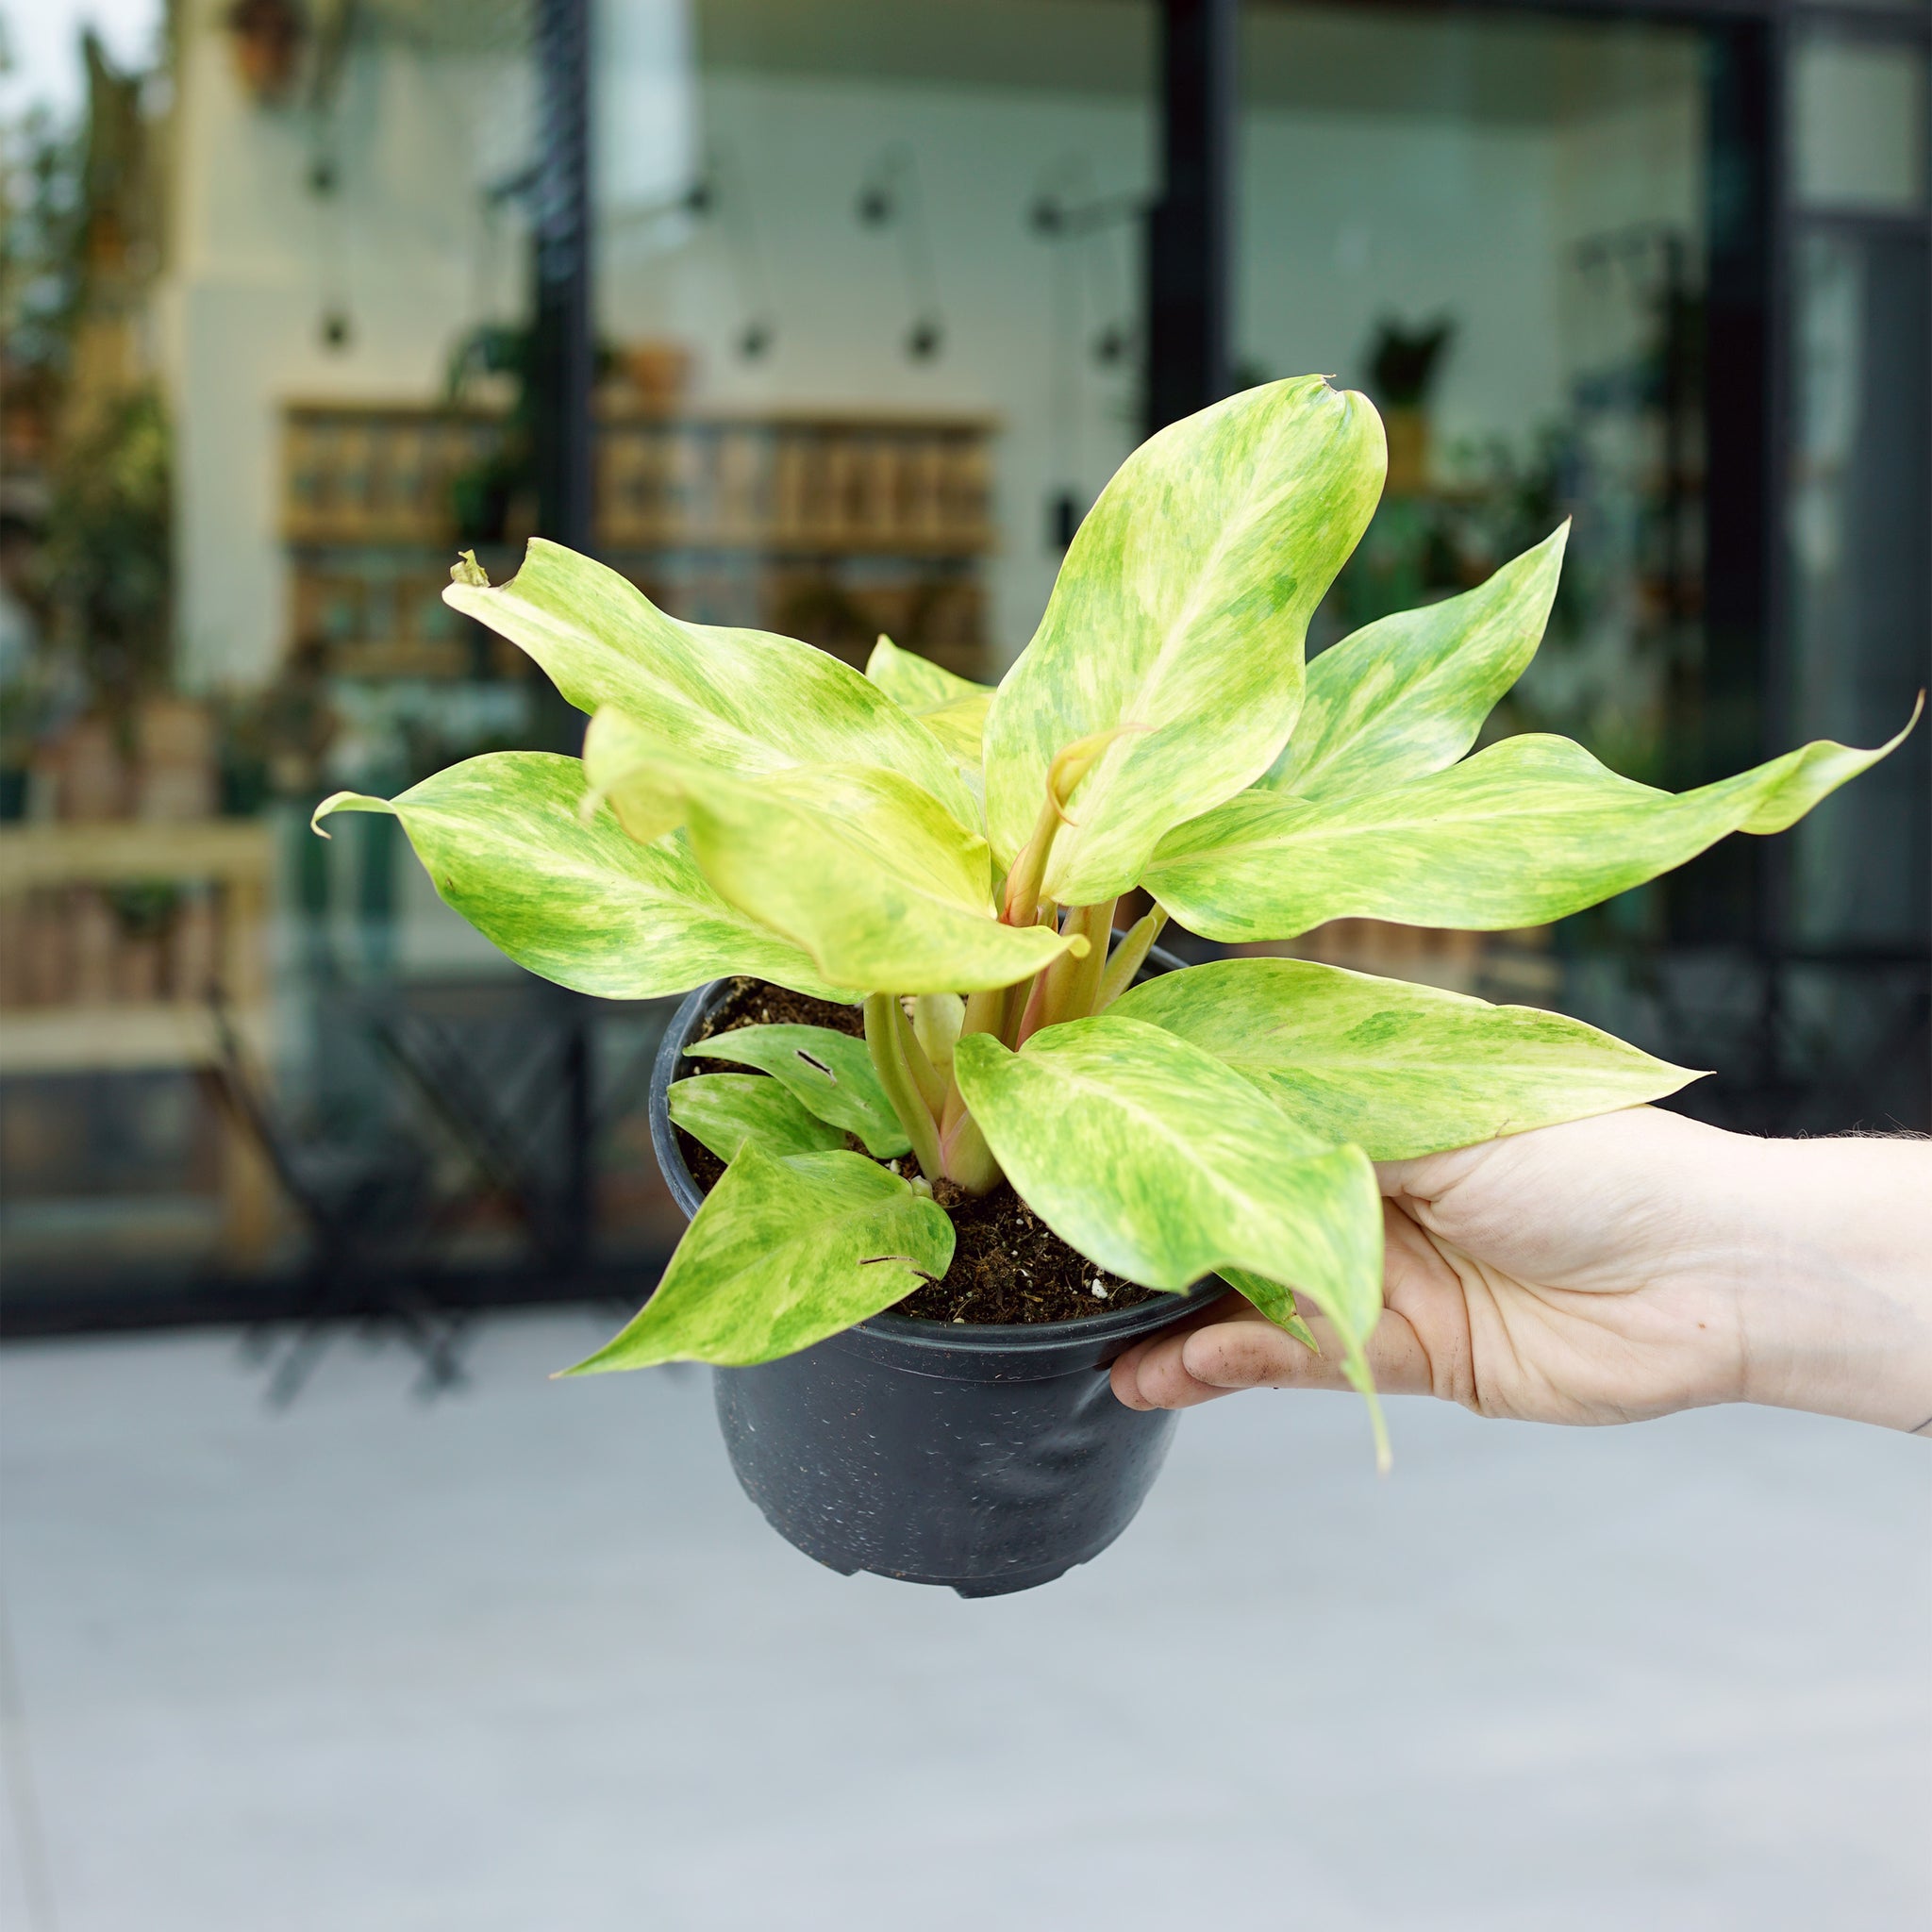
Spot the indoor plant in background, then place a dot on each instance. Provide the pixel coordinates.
(948, 859)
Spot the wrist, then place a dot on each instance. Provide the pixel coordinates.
(1836, 1294)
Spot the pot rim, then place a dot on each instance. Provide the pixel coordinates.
(942, 1343)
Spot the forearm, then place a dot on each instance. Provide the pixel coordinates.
(1838, 1319)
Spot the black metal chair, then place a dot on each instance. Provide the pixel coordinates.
(371, 1203)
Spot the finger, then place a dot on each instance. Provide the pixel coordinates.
(1180, 1371)
(1153, 1377)
(1125, 1373)
(1257, 1355)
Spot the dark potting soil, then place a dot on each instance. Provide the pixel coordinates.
(1008, 1265)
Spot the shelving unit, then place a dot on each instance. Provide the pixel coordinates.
(830, 525)
(230, 860)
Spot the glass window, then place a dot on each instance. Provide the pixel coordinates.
(1858, 124)
(901, 313)
(868, 310)
(1862, 603)
(1496, 227)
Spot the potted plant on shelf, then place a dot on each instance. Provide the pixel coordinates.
(894, 894)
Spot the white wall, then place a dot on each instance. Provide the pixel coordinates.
(256, 259)
(796, 153)
(1345, 219)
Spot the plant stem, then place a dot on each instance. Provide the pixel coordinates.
(1019, 901)
(969, 1161)
(1129, 957)
(932, 1089)
(983, 1010)
(1071, 985)
(883, 1020)
(936, 1018)
(1014, 1007)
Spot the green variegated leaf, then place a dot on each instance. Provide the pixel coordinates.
(576, 899)
(1275, 1302)
(725, 1112)
(1180, 614)
(829, 1074)
(859, 866)
(1163, 1166)
(780, 1255)
(951, 708)
(1407, 695)
(1401, 1070)
(916, 683)
(1531, 829)
(743, 700)
(962, 728)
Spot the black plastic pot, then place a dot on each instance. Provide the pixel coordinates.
(986, 1458)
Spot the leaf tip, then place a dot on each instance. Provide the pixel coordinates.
(468, 572)
(332, 803)
(1356, 1367)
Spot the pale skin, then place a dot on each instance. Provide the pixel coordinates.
(1611, 1269)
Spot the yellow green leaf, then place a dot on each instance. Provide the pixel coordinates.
(916, 683)
(743, 700)
(1275, 1302)
(861, 867)
(1178, 622)
(780, 1255)
(1529, 830)
(828, 1073)
(951, 708)
(1401, 1070)
(575, 899)
(1163, 1165)
(1407, 695)
(725, 1111)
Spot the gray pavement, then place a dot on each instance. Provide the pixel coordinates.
(525, 1658)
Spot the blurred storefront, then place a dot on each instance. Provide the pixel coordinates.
(872, 297)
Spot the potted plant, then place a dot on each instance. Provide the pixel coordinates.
(907, 885)
(1401, 370)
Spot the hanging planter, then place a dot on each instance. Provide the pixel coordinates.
(940, 864)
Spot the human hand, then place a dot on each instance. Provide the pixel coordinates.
(1614, 1269)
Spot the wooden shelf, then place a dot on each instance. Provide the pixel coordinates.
(653, 540)
(793, 483)
(235, 857)
(120, 852)
(622, 410)
(147, 1037)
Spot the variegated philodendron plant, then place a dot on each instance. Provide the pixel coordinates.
(953, 856)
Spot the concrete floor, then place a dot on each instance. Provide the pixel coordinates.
(525, 1658)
